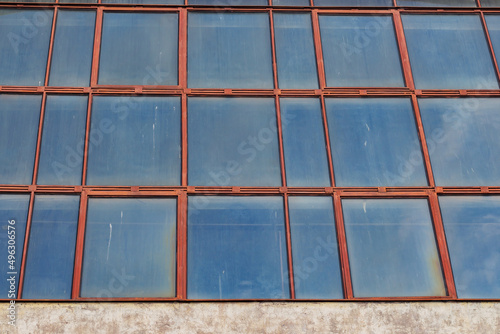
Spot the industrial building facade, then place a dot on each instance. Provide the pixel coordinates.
(250, 150)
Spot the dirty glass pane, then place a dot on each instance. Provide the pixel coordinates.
(130, 248)
(71, 61)
(392, 249)
(462, 138)
(304, 143)
(135, 141)
(438, 3)
(353, 3)
(295, 54)
(237, 248)
(316, 266)
(229, 50)
(63, 140)
(291, 2)
(24, 46)
(139, 49)
(360, 51)
(19, 116)
(374, 143)
(13, 213)
(472, 226)
(449, 52)
(233, 142)
(51, 248)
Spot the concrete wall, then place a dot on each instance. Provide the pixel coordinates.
(279, 317)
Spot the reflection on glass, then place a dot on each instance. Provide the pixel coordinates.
(472, 226)
(236, 248)
(139, 49)
(19, 116)
(493, 23)
(316, 266)
(304, 143)
(130, 248)
(61, 154)
(295, 51)
(374, 143)
(229, 50)
(24, 46)
(71, 61)
(462, 138)
(438, 3)
(449, 52)
(392, 249)
(233, 142)
(360, 51)
(353, 3)
(51, 248)
(134, 141)
(13, 213)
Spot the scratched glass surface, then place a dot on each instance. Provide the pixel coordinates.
(130, 248)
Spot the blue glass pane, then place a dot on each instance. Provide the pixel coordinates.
(449, 52)
(291, 2)
(165, 2)
(360, 51)
(78, 1)
(130, 248)
(139, 49)
(229, 2)
(392, 249)
(71, 61)
(438, 3)
(233, 142)
(316, 266)
(19, 116)
(462, 138)
(295, 51)
(237, 248)
(229, 50)
(493, 23)
(135, 141)
(472, 226)
(353, 3)
(24, 41)
(374, 142)
(51, 248)
(13, 216)
(490, 3)
(304, 143)
(63, 140)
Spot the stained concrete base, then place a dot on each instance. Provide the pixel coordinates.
(253, 317)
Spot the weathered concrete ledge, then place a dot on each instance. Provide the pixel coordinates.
(253, 317)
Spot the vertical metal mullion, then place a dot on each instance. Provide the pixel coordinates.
(87, 139)
(343, 253)
(97, 47)
(80, 239)
(318, 49)
(327, 139)
(403, 50)
(289, 248)
(442, 246)
(273, 49)
(51, 46)
(25, 246)
(182, 56)
(182, 246)
(492, 51)
(39, 139)
(423, 141)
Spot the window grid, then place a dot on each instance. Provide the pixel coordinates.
(181, 192)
